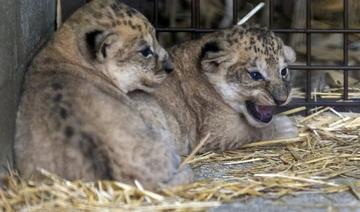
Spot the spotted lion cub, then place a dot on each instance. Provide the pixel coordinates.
(227, 84)
(76, 117)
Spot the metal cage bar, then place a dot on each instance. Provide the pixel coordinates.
(276, 30)
(195, 16)
(346, 48)
(308, 51)
(156, 17)
(235, 12)
(271, 18)
(324, 68)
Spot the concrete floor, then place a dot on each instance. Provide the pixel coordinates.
(346, 202)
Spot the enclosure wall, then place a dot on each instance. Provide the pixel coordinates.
(24, 27)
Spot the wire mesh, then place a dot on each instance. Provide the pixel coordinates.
(309, 68)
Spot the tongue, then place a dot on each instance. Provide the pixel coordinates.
(265, 112)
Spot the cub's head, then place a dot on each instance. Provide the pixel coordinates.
(119, 43)
(248, 68)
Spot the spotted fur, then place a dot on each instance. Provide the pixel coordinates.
(213, 76)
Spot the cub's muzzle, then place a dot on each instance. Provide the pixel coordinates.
(168, 65)
(280, 94)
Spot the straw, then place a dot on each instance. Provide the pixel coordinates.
(251, 13)
(324, 158)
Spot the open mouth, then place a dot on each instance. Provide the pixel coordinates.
(260, 112)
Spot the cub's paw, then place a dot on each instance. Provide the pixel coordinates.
(281, 127)
(182, 176)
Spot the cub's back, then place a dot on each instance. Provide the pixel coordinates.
(66, 118)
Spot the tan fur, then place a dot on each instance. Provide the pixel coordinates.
(208, 89)
(77, 117)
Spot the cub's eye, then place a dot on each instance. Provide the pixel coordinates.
(146, 52)
(284, 72)
(255, 75)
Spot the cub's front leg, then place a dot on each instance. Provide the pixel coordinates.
(281, 127)
(153, 116)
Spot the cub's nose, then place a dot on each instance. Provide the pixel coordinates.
(280, 94)
(279, 102)
(168, 65)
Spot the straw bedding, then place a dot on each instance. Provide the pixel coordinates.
(323, 159)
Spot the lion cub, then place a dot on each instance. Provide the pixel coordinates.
(76, 117)
(227, 84)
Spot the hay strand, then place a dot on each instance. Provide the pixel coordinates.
(195, 151)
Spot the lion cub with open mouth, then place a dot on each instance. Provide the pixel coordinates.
(227, 84)
(76, 116)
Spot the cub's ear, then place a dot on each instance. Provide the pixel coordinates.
(290, 55)
(212, 55)
(102, 45)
